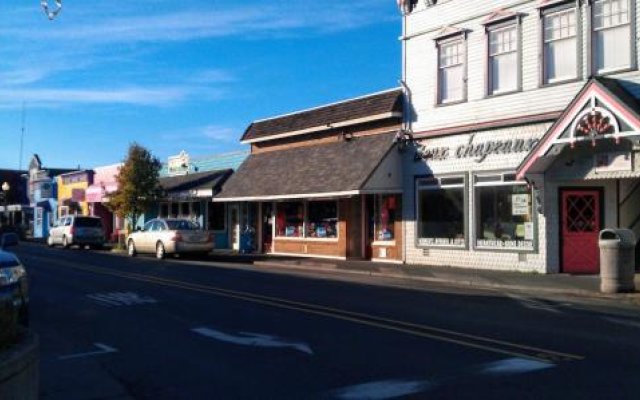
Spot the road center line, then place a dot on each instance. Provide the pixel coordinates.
(445, 335)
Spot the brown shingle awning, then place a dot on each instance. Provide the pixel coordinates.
(333, 169)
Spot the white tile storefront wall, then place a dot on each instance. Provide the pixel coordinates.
(508, 147)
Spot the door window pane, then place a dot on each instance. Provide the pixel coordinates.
(174, 210)
(290, 219)
(322, 219)
(164, 210)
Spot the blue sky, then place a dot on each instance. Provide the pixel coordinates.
(179, 75)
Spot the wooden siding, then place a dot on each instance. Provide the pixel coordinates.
(424, 23)
(329, 136)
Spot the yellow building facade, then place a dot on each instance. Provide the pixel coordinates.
(72, 190)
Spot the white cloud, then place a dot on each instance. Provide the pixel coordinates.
(220, 133)
(144, 96)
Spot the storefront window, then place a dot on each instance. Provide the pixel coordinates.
(322, 219)
(504, 216)
(216, 216)
(174, 210)
(290, 219)
(185, 209)
(387, 210)
(441, 212)
(164, 210)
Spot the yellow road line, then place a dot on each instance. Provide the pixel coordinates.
(464, 339)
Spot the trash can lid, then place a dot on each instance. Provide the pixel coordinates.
(621, 235)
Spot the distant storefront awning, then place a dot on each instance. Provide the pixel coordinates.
(341, 168)
(201, 184)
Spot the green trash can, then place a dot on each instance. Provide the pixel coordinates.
(617, 260)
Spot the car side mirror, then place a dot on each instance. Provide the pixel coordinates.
(8, 240)
(139, 229)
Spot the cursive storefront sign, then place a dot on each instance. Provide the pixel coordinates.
(478, 151)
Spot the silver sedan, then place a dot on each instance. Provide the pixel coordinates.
(162, 236)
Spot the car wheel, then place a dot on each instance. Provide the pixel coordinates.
(65, 242)
(131, 249)
(50, 241)
(160, 253)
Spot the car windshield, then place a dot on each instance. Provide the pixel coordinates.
(182, 225)
(88, 223)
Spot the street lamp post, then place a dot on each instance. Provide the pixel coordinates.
(5, 192)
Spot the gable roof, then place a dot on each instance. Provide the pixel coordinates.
(606, 90)
(312, 171)
(382, 105)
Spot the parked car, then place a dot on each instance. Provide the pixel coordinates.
(14, 288)
(169, 236)
(77, 230)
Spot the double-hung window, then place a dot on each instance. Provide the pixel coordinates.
(560, 49)
(451, 70)
(503, 58)
(611, 35)
(441, 204)
(504, 213)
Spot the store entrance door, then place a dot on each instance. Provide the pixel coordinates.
(267, 227)
(580, 222)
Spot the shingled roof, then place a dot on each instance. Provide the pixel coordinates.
(384, 104)
(328, 168)
(201, 180)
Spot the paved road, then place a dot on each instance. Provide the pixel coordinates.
(112, 327)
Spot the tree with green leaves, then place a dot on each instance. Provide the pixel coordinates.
(137, 184)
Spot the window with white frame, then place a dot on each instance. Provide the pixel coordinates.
(503, 58)
(504, 216)
(560, 44)
(451, 70)
(290, 219)
(322, 219)
(314, 219)
(611, 35)
(441, 204)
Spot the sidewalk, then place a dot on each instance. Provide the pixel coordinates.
(562, 284)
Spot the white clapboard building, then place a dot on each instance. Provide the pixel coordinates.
(523, 131)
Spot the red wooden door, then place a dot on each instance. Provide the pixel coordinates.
(580, 222)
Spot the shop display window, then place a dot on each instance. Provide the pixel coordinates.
(175, 208)
(387, 209)
(290, 219)
(504, 217)
(217, 216)
(441, 212)
(322, 219)
(185, 210)
(164, 210)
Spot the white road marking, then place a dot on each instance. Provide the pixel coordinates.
(625, 322)
(121, 299)
(104, 349)
(534, 304)
(512, 366)
(382, 390)
(253, 339)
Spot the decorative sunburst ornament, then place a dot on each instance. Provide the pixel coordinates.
(51, 13)
(593, 125)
